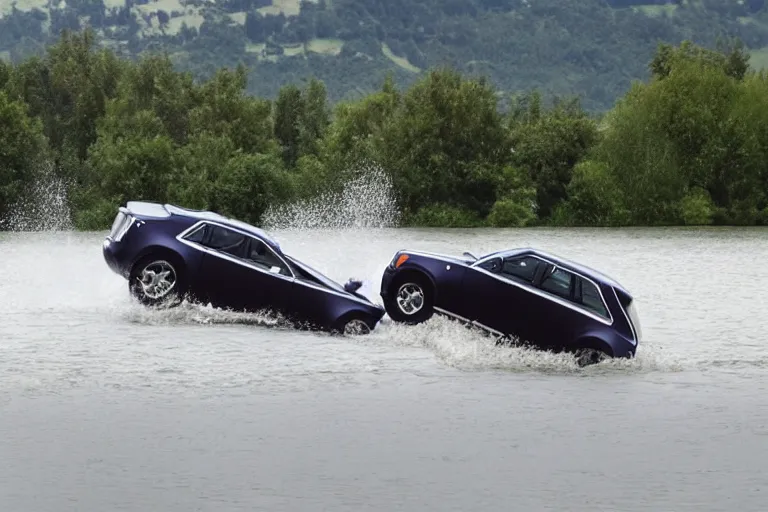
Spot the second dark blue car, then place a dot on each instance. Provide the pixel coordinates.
(169, 253)
(544, 301)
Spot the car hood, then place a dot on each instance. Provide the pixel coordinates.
(325, 280)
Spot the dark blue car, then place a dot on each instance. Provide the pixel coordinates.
(169, 253)
(538, 299)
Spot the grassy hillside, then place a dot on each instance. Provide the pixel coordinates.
(591, 48)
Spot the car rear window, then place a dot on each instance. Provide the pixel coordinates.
(591, 299)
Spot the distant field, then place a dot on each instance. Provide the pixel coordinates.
(657, 10)
(255, 48)
(190, 15)
(293, 49)
(6, 6)
(287, 7)
(325, 46)
(238, 17)
(759, 58)
(400, 61)
(322, 46)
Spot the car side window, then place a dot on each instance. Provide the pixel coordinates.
(228, 241)
(521, 268)
(197, 235)
(558, 283)
(591, 299)
(265, 258)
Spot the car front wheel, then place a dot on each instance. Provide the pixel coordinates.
(411, 301)
(156, 281)
(356, 326)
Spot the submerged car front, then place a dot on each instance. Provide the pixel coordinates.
(336, 305)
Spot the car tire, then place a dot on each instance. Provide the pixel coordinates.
(355, 325)
(587, 356)
(411, 300)
(157, 281)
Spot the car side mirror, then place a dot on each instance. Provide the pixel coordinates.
(493, 265)
(353, 285)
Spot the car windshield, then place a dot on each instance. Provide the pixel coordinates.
(317, 275)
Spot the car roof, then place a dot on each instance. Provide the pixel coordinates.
(150, 209)
(589, 272)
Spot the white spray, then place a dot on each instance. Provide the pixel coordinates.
(44, 208)
(367, 201)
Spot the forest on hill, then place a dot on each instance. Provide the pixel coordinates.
(593, 49)
(687, 146)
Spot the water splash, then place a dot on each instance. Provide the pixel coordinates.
(366, 201)
(196, 313)
(44, 207)
(470, 349)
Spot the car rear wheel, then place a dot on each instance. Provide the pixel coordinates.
(412, 300)
(589, 356)
(156, 281)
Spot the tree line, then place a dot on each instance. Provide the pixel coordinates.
(688, 146)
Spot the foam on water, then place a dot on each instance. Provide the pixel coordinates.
(471, 349)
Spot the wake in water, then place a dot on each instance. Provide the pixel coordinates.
(188, 312)
(44, 207)
(470, 349)
(367, 201)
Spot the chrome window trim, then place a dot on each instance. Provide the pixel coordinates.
(437, 256)
(542, 293)
(629, 321)
(181, 238)
(545, 295)
(191, 231)
(355, 298)
(469, 322)
(529, 288)
(292, 278)
(123, 228)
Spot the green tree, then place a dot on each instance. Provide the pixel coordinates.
(357, 133)
(22, 150)
(289, 108)
(548, 144)
(68, 90)
(249, 184)
(442, 142)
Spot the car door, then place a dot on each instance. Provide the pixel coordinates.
(500, 296)
(271, 283)
(241, 272)
(572, 300)
(554, 320)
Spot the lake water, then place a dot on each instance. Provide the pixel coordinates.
(106, 406)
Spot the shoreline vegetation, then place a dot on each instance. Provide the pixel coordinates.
(687, 147)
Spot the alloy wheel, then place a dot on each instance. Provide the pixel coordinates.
(410, 298)
(356, 326)
(157, 279)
